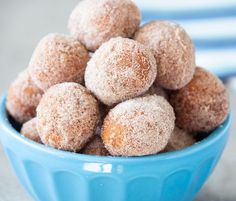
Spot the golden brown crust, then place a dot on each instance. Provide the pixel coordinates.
(119, 70)
(113, 127)
(173, 50)
(29, 130)
(67, 116)
(139, 126)
(159, 91)
(202, 105)
(94, 22)
(56, 59)
(95, 147)
(179, 139)
(22, 98)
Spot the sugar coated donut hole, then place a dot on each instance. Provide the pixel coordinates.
(67, 116)
(23, 97)
(202, 105)
(155, 89)
(179, 139)
(56, 59)
(138, 127)
(119, 70)
(173, 50)
(95, 147)
(29, 130)
(94, 22)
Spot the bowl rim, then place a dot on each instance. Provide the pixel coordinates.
(197, 147)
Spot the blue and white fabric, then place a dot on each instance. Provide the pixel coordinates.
(210, 23)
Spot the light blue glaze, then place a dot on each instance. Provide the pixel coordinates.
(48, 174)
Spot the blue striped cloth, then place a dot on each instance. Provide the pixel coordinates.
(210, 23)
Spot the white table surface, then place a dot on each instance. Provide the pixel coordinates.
(22, 24)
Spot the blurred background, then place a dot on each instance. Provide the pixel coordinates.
(210, 23)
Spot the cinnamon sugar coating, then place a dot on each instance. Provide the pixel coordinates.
(202, 105)
(155, 89)
(95, 147)
(138, 127)
(29, 130)
(23, 98)
(179, 139)
(94, 22)
(173, 50)
(67, 116)
(119, 70)
(56, 59)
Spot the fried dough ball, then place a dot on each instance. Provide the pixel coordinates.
(155, 89)
(179, 139)
(29, 130)
(23, 97)
(202, 105)
(119, 70)
(173, 50)
(67, 116)
(56, 59)
(95, 147)
(138, 127)
(94, 22)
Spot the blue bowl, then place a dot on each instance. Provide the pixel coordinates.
(48, 174)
